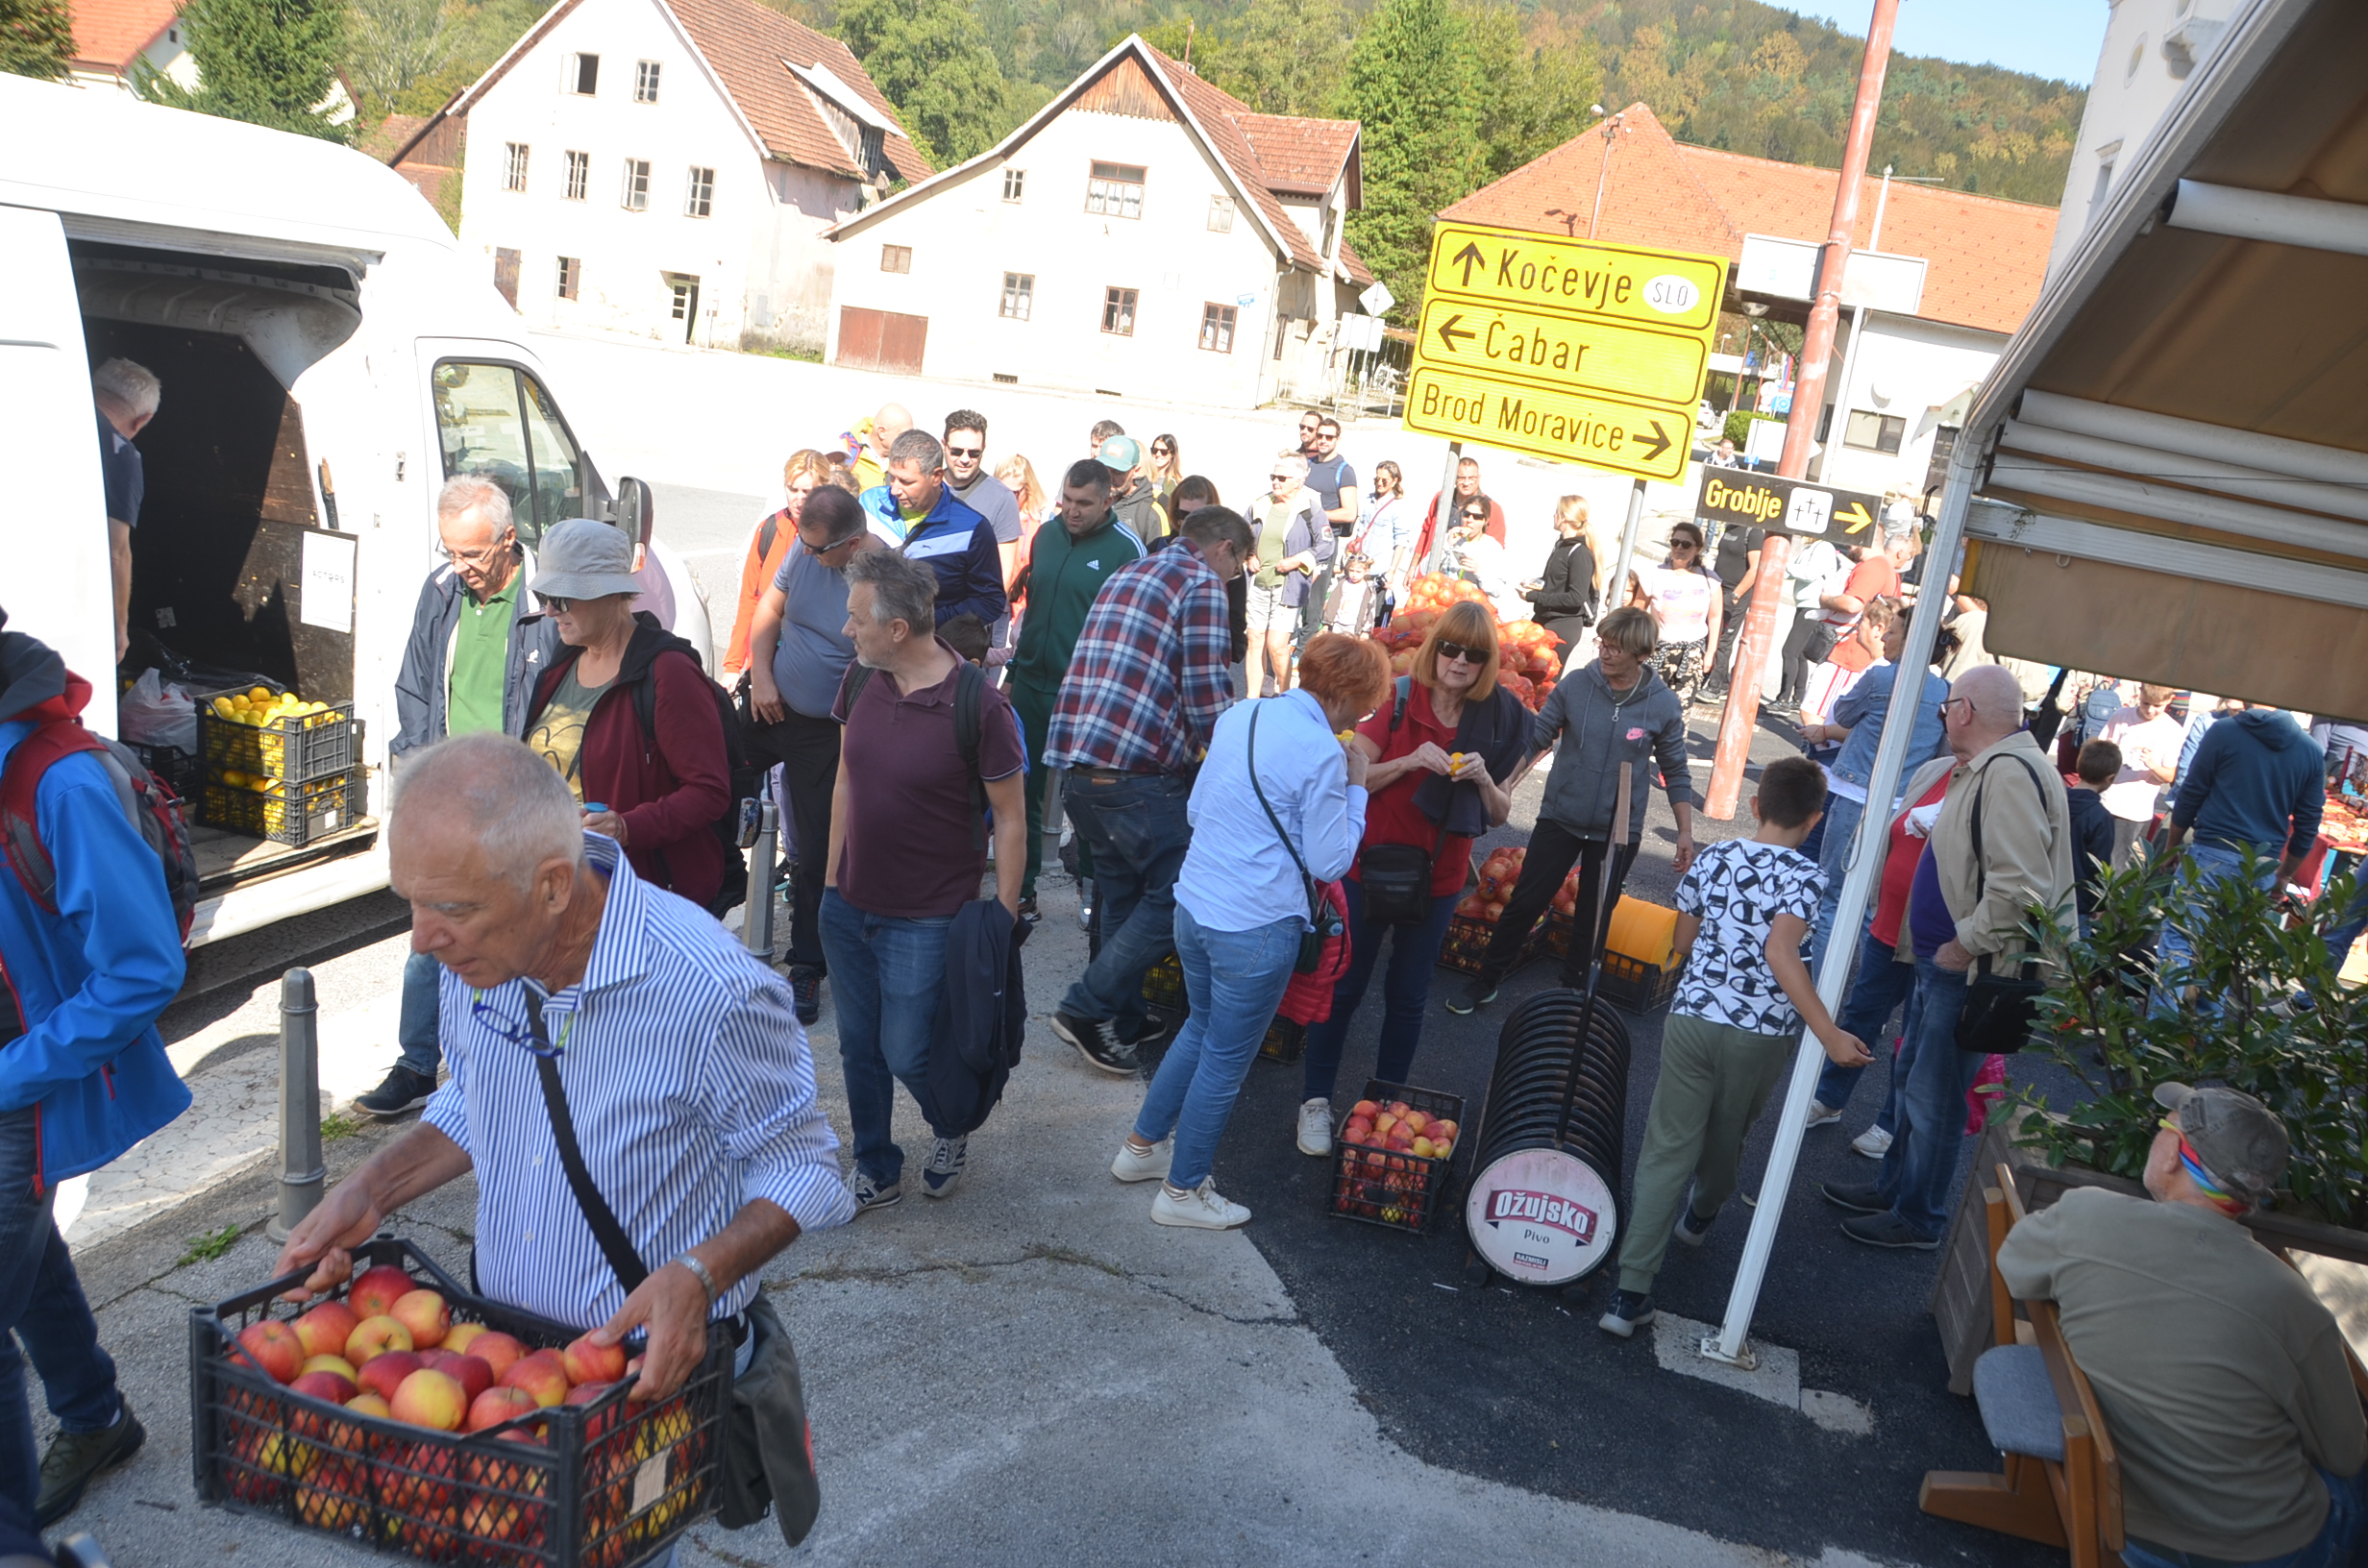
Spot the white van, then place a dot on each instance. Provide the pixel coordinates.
(329, 357)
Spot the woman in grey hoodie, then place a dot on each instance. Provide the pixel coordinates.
(1612, 711)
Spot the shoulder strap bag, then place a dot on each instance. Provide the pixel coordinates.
(1324, 924)
(768, 1447)
(2000, 1009)
(1393, 880)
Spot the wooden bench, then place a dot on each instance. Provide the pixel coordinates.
(2062, 1484)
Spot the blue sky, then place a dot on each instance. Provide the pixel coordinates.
(2047, 38)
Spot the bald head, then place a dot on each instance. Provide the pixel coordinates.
(1991, 709)
(893, 420)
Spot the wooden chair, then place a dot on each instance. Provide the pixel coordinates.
(2062, 1484)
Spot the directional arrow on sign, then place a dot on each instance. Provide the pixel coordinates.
(1451, 329)
(1469, 256)
(1857, 516)
(1659, 444)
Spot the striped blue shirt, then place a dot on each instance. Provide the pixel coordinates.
(692, 1092)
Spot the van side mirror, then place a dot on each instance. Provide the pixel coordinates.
(633, 508)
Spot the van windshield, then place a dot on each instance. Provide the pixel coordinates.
(499, 421)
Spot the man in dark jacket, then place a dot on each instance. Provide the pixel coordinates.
(470, 665)
(83, 1077)
(2257, 783)
(955, 543)
(2093, 825)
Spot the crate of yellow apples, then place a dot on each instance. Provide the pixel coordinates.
(274, 735)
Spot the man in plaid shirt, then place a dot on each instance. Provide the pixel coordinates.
(1143, 690)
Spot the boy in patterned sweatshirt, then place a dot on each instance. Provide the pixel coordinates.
(1743, 909)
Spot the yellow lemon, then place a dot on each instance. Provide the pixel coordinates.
(259, 694)
(222, 706)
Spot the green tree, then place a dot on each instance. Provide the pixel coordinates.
(266, 61)
(395, 45)
(1412, 85)
(36, 38)
(1286, 57)
(930, 57)
(1539, 85)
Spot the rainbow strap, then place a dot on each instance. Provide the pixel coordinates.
(2220, 1198)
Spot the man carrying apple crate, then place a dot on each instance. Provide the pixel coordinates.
(579, 1003)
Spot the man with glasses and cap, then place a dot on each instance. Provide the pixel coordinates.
(1131, 499)
(2222, 1376)
(474, 653)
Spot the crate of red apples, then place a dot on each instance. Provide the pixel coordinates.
(1392, 1159)
(1476, 916)
(1529, 657)
(419, 1420)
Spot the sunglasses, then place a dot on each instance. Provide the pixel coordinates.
(1163, 451)
(812, 549)
(1457, 650)
(966, 451)
(1284, 478)
(1683, 543)
(555, 602)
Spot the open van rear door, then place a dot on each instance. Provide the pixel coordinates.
(60, 586)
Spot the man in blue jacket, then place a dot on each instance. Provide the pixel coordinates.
(83, 1077)
(2257, 783)
(917, 510)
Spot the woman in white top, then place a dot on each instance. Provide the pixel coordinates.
(1386, 534)
(1483, 560)
(1685, 608)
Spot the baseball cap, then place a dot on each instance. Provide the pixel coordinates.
(2239, 1140)
(583, 558)
(1122, 453)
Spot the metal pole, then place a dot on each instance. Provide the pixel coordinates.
(301, 1175)
(756, 915)
(1759, 626)
(1850, 915)
(1052, 851)
(1615, 586)
(1441, 514)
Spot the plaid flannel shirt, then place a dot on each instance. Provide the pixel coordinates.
(1149, 677)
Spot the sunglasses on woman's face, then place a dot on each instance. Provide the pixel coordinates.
(1683, 543)
(1161, 452)
(1457, 650)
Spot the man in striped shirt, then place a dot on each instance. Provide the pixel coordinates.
(677, 1056)
(1145, 686)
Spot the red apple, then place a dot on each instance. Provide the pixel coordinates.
(1366, 1108)
(274, 1348)
(588, 1360)
(498, 1350)
(327, 1328)
(382, 1375)
(368, 1402)
(473, 1373)
(425, 1315)
(1356, 1130)
(377, 1292)
(545, 1380)
(432, 1399)
(374, 1336)
(496, 1406)
(1443, 1128)
(1415, 1122)
(328, 1385)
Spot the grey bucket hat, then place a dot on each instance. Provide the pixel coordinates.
(581, 558)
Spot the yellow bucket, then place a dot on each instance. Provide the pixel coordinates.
(1643, 931)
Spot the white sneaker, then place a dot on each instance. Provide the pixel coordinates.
(1199, 1209)
(1316, 1127)
(1874, 1142)
(1145, 1164)
(1820, 1115)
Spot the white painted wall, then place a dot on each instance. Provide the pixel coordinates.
(965, 237)
(757, 256)
(1908, 368)
(2150, 49)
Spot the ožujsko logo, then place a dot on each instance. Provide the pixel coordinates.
(1547, 1208)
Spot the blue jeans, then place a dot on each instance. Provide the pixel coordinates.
(415, 1026)
(886, 974)
(41, 1299)
(1931, 1076)
(1234, 980)
(1135, 826)
(1842, 830)
(1882, 985)
(2337, 1539)
(1414, 953)
(2207, 864)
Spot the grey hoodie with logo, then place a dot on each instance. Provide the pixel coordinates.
(1600, 729)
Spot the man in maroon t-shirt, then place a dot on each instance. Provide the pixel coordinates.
(905, 854)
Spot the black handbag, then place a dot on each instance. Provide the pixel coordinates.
(2001, 1010)
(1324, 924)
(1394, 879)
(767, 1453)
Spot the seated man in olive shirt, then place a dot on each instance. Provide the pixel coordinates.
(2221, 1375)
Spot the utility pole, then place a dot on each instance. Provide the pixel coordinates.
(1770, 595)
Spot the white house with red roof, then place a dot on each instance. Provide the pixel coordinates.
(1144, 234)
(113, 37)
(667, 168)
(1943, 280)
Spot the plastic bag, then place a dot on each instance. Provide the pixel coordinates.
(153, 713)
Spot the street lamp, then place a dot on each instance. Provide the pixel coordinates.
(1612, 128)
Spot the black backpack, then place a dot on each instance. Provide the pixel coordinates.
(969, 691)
(747, 779)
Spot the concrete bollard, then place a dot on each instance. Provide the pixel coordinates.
(302, 1174)
(756, 915)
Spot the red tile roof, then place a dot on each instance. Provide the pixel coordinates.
(1985, 258)
(1300, 154)
(111, 32)
(1222, 115)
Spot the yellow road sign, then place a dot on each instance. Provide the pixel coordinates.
(1576, 276)
(1579, 355)
(1650, 443)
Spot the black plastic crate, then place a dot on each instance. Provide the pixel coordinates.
(1163, 986)
(1286, 1039)
(1396, 1190)
(605, 1486)
(1635, 986)
(295, 747)
(179, 769)
(286, 813)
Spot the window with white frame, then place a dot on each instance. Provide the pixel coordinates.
(645, 81)
(571, 274)
(1018, 295)
(583, 74)
(698, 193)
(1220, 214)
(578, 175)
(686, 292)
(514, 171)
(637, 195)
(1015, 183)
(1118, 311)
(1217, 323)
(1115, 190)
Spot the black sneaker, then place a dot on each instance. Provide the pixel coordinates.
(76, 1459)
(805, 988)
(1858, 1199)
(1092, 1038)
(1692, 1229)
(1888, 1229)
(1154, 1030)
(1475, 997)
(1630, 1312)
(404, 1091)
(1028, 910)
